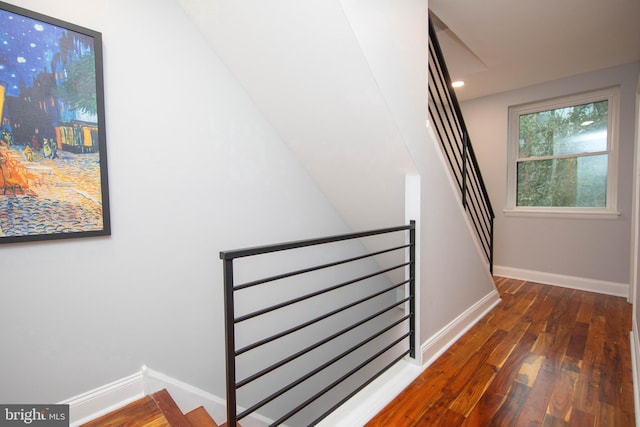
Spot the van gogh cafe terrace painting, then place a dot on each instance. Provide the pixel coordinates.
(51, 179)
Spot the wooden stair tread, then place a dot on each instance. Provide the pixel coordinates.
(199, 417)
(169, 409)
(142, 412)
(156, 410)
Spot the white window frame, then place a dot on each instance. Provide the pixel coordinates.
(612, 95)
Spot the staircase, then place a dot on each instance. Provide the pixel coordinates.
(156, 410)
(446, 119)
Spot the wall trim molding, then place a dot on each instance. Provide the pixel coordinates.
(572, 282)
(357, 411)
(372, 399)
(102, 400)
(443, 339)
(361, 408)
(189, 397)
(635, 359)
(186, 396)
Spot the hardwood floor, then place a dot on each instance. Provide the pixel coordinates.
(156, 410)
(545, 356)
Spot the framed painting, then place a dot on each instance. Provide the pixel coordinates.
(53, 160)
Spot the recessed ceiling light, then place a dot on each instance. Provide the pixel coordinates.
(586, 123)
(457, 83)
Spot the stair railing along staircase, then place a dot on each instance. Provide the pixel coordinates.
(354, 328)
(451, 131)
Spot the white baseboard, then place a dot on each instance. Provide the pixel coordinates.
(572, 282)
(373, 398)
(635, 359)
(102, 400)
(186, 396)
(443, 339)
(356, 412)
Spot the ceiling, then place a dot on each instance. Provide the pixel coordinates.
(500, 45)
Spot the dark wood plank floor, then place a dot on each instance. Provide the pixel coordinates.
(545, 356)
(156, 410)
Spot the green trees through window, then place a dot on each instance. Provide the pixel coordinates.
(561, 153)
(562, 157)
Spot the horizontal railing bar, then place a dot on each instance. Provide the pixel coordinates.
(358, 389)
(442, 120)
(455, 105)
(316, 320)
(485, 197)
(447, 120)
(357, 349)
(314, 294)
(321, 368)
(477, 217)
(452, 159)
(476, 166)
(480, 206)
(310, 269)
(339, 380)
(258, 250)
(304, 351)
(449, 127)
(445, 76)
(445, 99)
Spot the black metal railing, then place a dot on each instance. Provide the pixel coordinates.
(450, 129)
(300, 343)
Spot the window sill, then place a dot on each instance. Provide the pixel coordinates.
(565, 214)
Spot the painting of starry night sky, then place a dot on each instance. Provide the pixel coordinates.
(26, 49)
(52, 171)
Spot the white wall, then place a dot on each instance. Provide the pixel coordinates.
(194, 169)
(198, 164)
(305, 70)
(635, 263)
(596, 249)
(345, 85)
(394, 39)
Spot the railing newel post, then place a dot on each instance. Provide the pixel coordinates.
(412, 289)
(381, 310)
(230, 341)
(491, 248)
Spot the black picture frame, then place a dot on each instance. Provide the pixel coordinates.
(53, 157)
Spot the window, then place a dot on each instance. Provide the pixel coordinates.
(562, 155)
